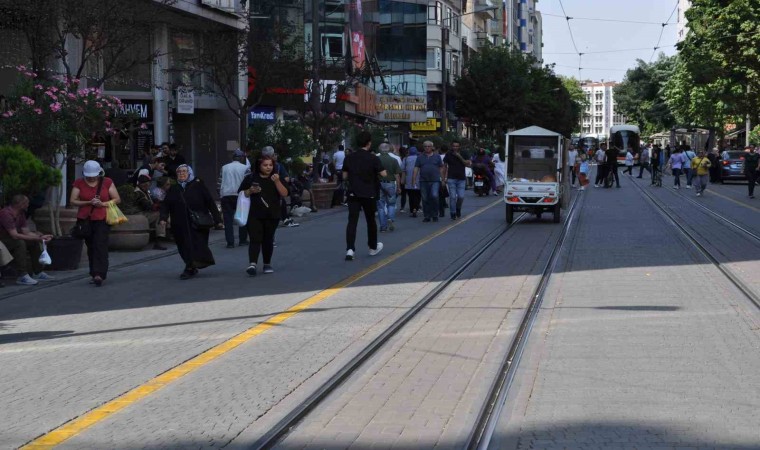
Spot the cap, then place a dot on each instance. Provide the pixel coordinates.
(238, 153)
(92, 169)
(143, 179)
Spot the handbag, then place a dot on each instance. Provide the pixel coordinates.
(198, 220)
(242, 209)
(83, 229)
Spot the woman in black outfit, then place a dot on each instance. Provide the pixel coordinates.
(190, 194)
(266, 190)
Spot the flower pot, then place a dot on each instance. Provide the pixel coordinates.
(68, 218)
(131, 236)
(323, 195)
(66, 252)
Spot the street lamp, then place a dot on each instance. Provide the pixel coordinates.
(444, 77)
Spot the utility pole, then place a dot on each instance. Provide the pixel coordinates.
(316, 84)
(444, 77)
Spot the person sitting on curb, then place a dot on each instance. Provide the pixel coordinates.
(22, 243)
(150, 209)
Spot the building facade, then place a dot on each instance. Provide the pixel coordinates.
(523, 27)
(600, 114)
(175, 99)
(681, 23)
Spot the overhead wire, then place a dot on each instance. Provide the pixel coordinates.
(662, 30)
(572, 39)
(608, 51)
(599, 19)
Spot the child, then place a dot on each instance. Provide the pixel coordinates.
(583, 169)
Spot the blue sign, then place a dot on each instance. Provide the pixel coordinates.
(264, 113)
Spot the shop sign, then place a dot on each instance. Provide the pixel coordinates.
(367, 101)
(428, 125)
(402, 108)
(143, 109)
(264, 114)
(185, 101)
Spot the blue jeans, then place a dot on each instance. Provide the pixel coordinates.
(386, 203)
(429, 190)
(229, 205)
(456, 196)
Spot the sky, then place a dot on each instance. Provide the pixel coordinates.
(603, 35)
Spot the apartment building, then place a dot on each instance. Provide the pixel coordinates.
(600, 114)
(523, 28)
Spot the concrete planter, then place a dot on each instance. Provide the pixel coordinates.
(323, 195)
(68, 218)
(132, 236)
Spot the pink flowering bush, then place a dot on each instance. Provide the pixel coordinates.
(48, 114)
(331, 128)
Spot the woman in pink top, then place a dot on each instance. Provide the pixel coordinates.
(90, 194)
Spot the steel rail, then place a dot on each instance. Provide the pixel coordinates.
(743, 288)
(287, 423)
(481, 435)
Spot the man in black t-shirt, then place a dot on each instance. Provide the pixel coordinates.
(455, 179)
(362, 170)
(612, 165)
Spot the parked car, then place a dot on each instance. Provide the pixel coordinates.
(732, 168)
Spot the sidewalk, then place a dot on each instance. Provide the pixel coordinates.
(120, 260)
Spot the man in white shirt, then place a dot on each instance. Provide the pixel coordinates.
(338, 157)
(571, 157)
(232, 175)
(601, 165)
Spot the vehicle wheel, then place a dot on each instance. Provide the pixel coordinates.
(557, 213)
(510, 214)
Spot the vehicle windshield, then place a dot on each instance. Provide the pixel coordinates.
(625, 139)
(533, 158)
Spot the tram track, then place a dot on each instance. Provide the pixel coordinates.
(746, 290)
(484, 427)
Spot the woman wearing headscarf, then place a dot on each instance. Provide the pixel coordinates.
(189, 204)
(499, 172)
(91, 194)
(413, 190)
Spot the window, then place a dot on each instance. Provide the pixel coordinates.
(454, 67)
(332, 46)
(434, 58)
(435, 13)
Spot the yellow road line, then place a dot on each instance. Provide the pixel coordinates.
(100, 413)
(712, 192)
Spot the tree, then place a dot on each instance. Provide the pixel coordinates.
(109, 31)
(574, 89)
(493, 88)
(641, 95)
(502, 88)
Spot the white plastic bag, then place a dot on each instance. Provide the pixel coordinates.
(241, 211)
(45, 259)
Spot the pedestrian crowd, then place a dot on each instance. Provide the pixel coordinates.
(378, 182)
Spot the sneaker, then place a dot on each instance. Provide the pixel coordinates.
(230, 246)
(402, 210)
(688, 187)
(391, 225)
(243, 244)
(349, 255)
(251, 270)
(274, 244)
(292, 224)
(383, 229)
(377, 250)
(751, 196)
(698, 194)
(435, 219)
(581, 188)
(426, 219)
(26, 280)
(596, 185)
(268, 268)
(42, 276)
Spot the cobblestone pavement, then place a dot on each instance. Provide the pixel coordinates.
(641, 343)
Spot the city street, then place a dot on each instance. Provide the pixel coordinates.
(640, 342)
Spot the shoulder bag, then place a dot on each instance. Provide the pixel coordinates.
(198, 220)
(83, 229)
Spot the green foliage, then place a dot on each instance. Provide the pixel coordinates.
(577, 96)
(642, 95)
(502, 88)
(754, 136)
(23, 173)
(128, 199)
(290, 139)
